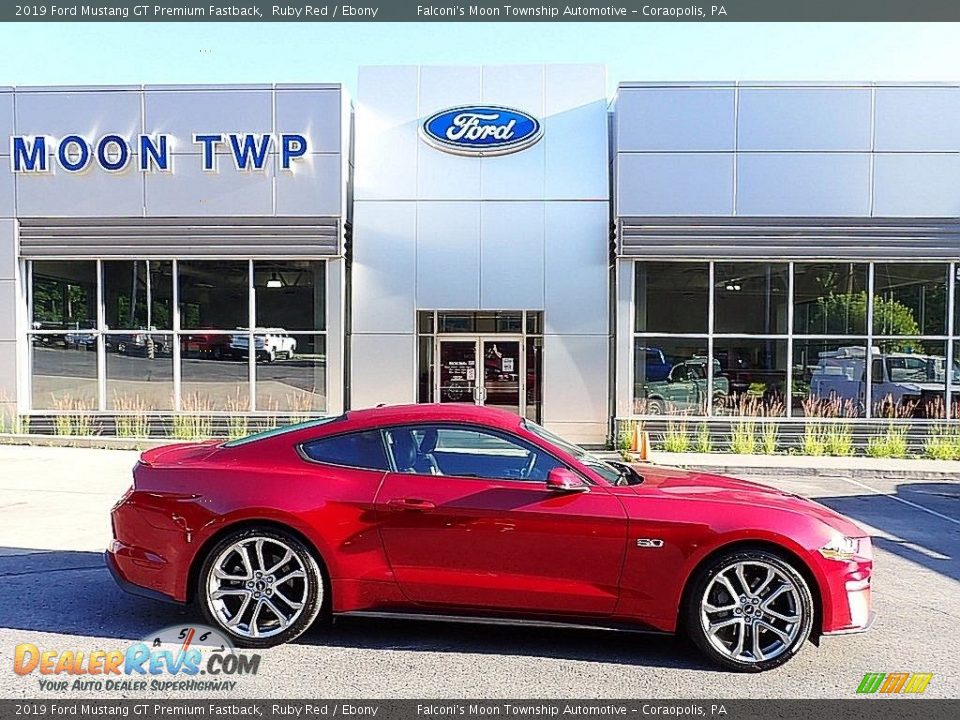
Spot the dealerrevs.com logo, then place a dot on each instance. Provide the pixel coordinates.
(170, 660)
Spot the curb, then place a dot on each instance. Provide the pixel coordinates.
(96, 442)
(803, 472)
(787, 466)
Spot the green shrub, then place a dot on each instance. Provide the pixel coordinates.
(133, 426)
(703, 442)
(675, 439)
(838, 439)
(942, 443)
(237, 427)
(85, 425)
(814, 440)
(63, 425)
(743, 437)
(769, 435)
(891, 444)
(191, 427)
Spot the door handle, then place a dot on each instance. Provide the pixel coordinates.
(411, 504)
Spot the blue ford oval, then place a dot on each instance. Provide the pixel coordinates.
(481, 130)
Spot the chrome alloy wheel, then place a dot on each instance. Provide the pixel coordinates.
(258, 587)
(751, 611)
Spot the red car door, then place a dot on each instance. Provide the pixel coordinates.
(467, 521)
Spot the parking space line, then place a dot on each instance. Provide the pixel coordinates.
(901, 500)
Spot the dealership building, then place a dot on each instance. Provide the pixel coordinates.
(510, 236)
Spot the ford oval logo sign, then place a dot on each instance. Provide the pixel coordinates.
(481, 130)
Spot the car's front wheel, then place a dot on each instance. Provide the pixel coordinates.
(749, 610)
(261, 586)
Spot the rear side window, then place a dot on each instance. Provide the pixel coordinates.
(360, 450)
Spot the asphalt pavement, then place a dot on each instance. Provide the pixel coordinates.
(56, 594)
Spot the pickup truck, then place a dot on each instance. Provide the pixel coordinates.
(270, 344)
(899, 379)
(684, 390)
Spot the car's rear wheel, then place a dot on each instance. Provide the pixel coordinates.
(749, 610)
(261, 586)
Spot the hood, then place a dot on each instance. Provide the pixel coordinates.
(694, 486)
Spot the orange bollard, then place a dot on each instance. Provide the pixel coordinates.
(643, 445)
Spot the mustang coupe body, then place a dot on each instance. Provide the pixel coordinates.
(465, 511)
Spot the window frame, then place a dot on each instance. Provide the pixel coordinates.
(102, 337)
(793, 337)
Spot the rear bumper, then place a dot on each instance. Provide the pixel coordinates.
(115, 566)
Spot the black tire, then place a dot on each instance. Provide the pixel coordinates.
(699, 585)
(316, 587)
(656, 407)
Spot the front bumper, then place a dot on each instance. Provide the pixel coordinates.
(847, 587)
(871, 618)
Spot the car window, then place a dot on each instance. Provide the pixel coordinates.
(467, 452)
(358, 450)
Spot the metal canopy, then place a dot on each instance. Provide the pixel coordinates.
(770, 237)
(124, 238)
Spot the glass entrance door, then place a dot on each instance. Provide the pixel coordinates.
(457, 371)
(482, 370)
(502, 374)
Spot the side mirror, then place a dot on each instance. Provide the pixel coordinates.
(562, 480)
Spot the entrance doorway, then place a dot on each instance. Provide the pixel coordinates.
(483, 358)
(486, 371)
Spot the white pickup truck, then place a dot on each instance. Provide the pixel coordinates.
(270, 344)
(900, 379)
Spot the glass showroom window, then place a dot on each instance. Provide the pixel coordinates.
(830, 298)
(909, 349)
(138, 307)
(829, 377)
(214, 301)
(829, 373)
(177, 336)
(671, 375)
(801, 339)
(63, 335)
(291, 353)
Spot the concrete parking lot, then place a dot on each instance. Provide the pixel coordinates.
(56, 593)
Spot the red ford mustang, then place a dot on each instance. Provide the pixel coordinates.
(474, 513)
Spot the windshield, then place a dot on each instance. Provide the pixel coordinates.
(607, 471)
(920, 368)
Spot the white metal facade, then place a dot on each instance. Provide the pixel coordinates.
(526, 231)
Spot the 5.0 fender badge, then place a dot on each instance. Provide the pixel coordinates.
(649, 542)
